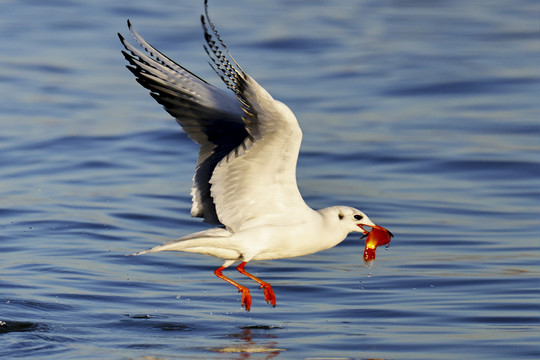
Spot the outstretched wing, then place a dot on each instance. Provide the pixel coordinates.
(256, 182)
(210, 116)
(246, 170)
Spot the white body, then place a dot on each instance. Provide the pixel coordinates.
(312, 232)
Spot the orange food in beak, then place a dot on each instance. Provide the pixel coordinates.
(378, 236)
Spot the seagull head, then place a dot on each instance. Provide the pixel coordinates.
(349, 219)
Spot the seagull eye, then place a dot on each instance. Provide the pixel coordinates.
(358, 217)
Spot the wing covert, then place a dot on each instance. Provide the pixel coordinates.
(249, 144)
(209, 116)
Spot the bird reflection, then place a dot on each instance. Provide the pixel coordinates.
(247, 342)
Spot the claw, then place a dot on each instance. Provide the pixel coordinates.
(269, 295)
(246, 298)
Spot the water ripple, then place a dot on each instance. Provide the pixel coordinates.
(423, 115)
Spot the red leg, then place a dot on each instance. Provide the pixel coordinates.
(246, 297)
(269, 295)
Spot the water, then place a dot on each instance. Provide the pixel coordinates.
(424, 114)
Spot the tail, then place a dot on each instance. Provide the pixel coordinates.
(185, 243)
(140, 252)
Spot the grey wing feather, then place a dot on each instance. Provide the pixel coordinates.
(210, 116)
(249, 144)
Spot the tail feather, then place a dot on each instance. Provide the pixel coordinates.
(140, 252)
(195, 240)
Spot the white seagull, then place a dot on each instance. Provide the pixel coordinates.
(245, 180)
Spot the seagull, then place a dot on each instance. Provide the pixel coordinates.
(245, 178)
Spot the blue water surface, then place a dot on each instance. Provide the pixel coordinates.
(424, 114)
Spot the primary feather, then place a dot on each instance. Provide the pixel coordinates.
(232, 132)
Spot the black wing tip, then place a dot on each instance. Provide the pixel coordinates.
(205, 15)
(121, 37)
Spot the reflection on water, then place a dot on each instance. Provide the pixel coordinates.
(252, 340)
